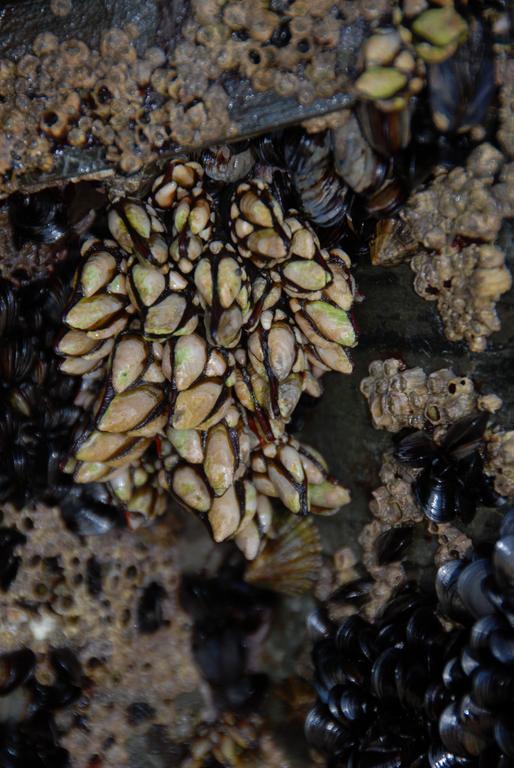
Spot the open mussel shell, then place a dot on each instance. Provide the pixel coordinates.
(470, 586)
(324, 733)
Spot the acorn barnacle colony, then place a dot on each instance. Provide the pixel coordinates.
(195, 337)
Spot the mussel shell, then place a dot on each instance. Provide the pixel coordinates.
(455, 737)
(502, 647)
(503, 558)
(15, 669)
(320, 625)
(504, 734)
(323, 732)
(327, 663)
(416, 450)
(454, 678)
(86, 515)
(355, 592)
(439, 757)
(484, 628)
(507, 526)
(412, 680)
(474, 718)
(423, 627)
(465, 436)
(438, 497)
(470, 586)
(350, 705)
(492, 688)
(390, 545)
(383, 674)
(446, 588)
(462, 86)
(435, 700)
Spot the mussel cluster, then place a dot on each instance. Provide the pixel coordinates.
(28, 734)
(203, 331)
(405, 690)
(36, 400)
(452, 481)
(477, 724)
(37, 407)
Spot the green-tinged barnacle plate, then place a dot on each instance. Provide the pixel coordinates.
(441, 26)
(380, 82)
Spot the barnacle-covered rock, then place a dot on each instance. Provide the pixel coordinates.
(99, 306)
(466, 282)
(201, 378)
(224, 290)
(400, 397)
(257, 225)
(500, 460)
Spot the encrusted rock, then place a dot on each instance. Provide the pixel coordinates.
(500, 461)
(400, 397)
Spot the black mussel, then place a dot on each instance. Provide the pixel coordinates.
(462, 87)
(15, 669)
(423, 627)
(10, 538)
(9, 308)
(319, 624)
(86, 513)
(387, 133)
(504, 733)
(350, 705)
(440, 757)
(435, 700)
(474, 718)
(94, 576)
(149, 608)
(412, 680)
(438, 497)
(402, 603)
(416, 450)
(465, 436)
(446, 588)
(469, 660)
(391, 545)
(327, 661)
(507, 526)
(455, 737)
(383, 674)
(350, 635)
(491, 687)
(470, 586)
(355, 592)
(502, 647)
(503, 558)
(40, 218)
(323, 732)
(453, 675)
(323, 196)
(484, 629)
